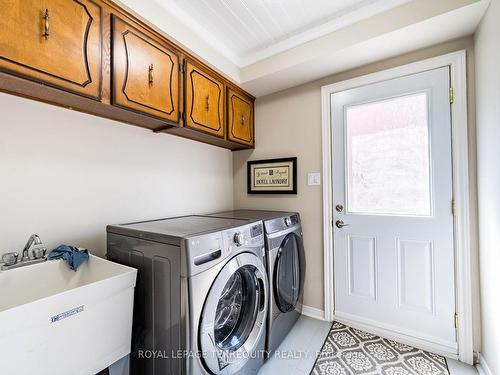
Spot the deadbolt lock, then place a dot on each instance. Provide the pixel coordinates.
(339, 208)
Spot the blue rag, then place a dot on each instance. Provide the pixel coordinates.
(71, 255)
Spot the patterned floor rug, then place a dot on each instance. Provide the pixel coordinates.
(348, 351)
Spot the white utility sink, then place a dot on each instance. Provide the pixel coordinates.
(56, 321)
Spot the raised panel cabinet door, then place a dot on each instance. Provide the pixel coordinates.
(240, 118)
(57, 42)
(145, 73)
(204, 101)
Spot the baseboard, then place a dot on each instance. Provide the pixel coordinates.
(482, 366)
(392, 333)
(313, 312)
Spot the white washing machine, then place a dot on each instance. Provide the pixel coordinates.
(201, 294)
(285, 269)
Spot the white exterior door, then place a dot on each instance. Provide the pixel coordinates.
(392, 168)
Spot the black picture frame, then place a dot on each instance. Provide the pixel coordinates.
(251, 163)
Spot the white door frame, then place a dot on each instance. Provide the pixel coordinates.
(457, 63)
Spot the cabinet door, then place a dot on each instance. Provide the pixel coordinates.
(240, 118)
(204, 101)
(145, 73)
(57, 42)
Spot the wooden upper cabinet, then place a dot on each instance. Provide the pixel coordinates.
(240, 118)
(94, 56)
(57, 42)
(145, 73)
(204, 101)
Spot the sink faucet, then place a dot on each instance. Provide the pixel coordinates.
(34, 240)
(34, 252)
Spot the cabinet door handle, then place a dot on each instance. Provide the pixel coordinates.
(207, 105)
(150, 75)
(243, 120)
(46, 24)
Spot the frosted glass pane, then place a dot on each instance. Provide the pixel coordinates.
(387, 156)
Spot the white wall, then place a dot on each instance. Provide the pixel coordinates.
(288, 123)
(488, 172)
(66, 175)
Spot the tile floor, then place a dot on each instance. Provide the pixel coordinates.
(297, 354)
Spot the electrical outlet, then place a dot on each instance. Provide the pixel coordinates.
(314, 179)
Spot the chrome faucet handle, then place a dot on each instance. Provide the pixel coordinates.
(38, 251)
(10, 259)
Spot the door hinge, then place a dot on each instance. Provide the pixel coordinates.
(183, 117)
(453, 207)
(456, 320)
(182, 67)
(451, 95)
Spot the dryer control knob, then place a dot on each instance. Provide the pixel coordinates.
(288, 221)
(239, 238)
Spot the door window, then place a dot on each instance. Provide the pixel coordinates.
(387, 155)
(287, 274)
(237, 309)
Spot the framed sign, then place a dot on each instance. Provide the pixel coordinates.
(272, 176)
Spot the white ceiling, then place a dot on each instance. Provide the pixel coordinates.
(246, 31)
(391, 34)
(270, 45)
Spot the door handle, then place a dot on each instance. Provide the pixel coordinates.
(340, 224)
(262, 296)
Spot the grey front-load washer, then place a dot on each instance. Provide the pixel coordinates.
(285, 269)
(200, 305)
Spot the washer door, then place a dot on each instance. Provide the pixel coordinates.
(287, 273)
(233, 316)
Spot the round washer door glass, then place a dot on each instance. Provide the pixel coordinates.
(232, 321)
(237, 309)
(287, 274)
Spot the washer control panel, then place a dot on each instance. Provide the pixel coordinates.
(251, 235)
(282, 223)
(206, 250)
